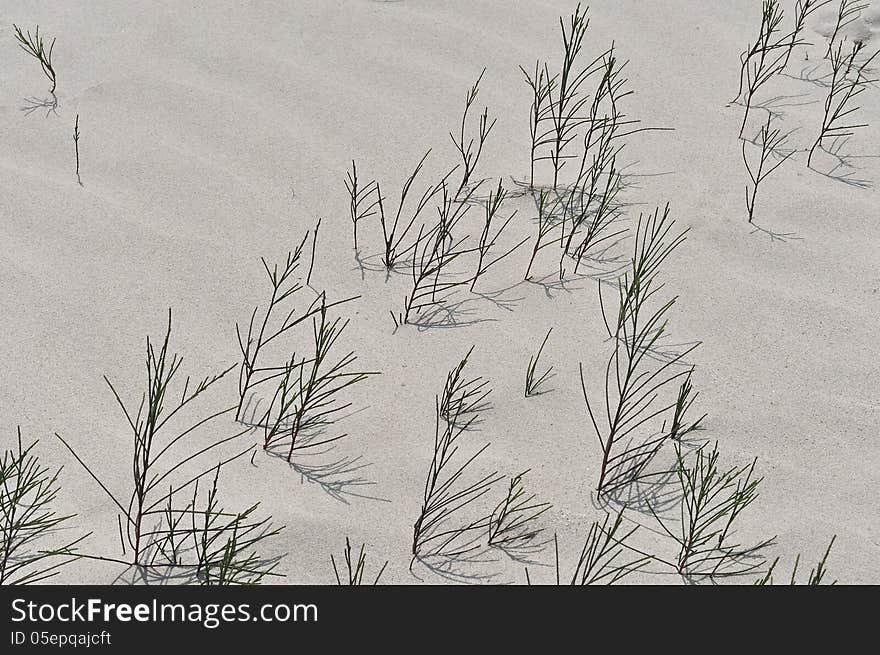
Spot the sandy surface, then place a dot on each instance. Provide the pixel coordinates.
(215, 134)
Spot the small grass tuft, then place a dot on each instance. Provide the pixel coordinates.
(355, 568)
(533, 380)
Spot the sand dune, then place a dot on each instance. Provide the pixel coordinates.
(214, 135)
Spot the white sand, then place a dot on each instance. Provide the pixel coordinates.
(217, 134)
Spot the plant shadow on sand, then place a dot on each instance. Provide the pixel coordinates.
(844, 169)
(450, 312)
(601, 266)
(374, 264)
(781, 237)
(468, 567)
(526, 551)
(775, 105)
(658, 491)
(173, 575)
(810, 75)
(472, 561)
(665, 352)
(339, 476)
(34, 104)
